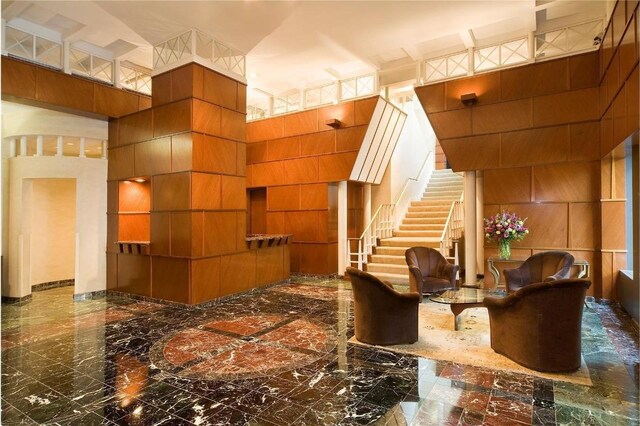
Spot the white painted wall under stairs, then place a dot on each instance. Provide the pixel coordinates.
(422, 225)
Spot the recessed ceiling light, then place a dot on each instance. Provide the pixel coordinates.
(140, 180)
(69, 143)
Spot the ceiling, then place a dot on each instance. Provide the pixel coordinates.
(297, 44)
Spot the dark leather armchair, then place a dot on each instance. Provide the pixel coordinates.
(539, 326)
(382, 315)
(429, 271)
(545, 266)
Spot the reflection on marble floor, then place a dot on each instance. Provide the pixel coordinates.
(278, 356)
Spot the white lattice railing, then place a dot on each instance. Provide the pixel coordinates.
(453, 228)
(193, 43)
(381, 225)
(33, 47)
(135, 78)
(570, 39)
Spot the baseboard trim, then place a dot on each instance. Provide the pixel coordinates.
(53, 284)
(9, 300)
(90, 295)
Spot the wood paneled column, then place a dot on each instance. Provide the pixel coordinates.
(191, 147)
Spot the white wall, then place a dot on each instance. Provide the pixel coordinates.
(91, 175)
(91, 219)
(53, 230)
(416, 141)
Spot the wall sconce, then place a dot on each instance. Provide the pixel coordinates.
(334, 123)
(469, 99)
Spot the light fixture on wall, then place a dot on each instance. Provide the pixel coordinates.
(334, 123)
(469, 99)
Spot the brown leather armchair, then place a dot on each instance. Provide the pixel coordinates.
(382, 315)
(545, 266)
(429, 271)
(539, 326)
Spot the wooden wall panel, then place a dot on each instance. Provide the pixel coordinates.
(262, 130)
(535, 146)
(135, 127)
(562, 108)
(237, 272)
(234, 193)
(161, 233)
(314, 196)
(269, 265)
(584, 70)
(133, 227)
(172, 118)
(206, 191)
(18, 79)
(219, 231)
(214, 154)
(283, 197)
(301, 123)
(364, 110)
(181, 242)
(170, 279)
(585, 141)
(220, 90)
(336, 167)
(171, 192)
(206, 117)
(120, 164)
(112, 271)
(182, 152)
(547, 223)
(113, 102)
(282, 149)
(431, 97)
(584, 225)
(161, 93)
(152, 157)
(567, 182)
(345, 112)
(485, 86)
(451, 124)
(134, 274)
(350, 139)
(507, 185)
(633, 101)
(535, 80)
(301, 170)
(320, 143)
(205, 279)
(61, 89)
(613, 219)
(232, 124)
(475, 152)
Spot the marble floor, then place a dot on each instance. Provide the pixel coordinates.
(278, 356)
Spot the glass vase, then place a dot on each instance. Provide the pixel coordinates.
(504, 249)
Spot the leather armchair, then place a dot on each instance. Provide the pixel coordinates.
(382, 315)
(539, 326)
(545, 266)
(429, 271)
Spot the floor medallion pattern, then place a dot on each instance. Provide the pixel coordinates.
(244, 347)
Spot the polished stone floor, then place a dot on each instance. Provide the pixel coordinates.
(279, 356)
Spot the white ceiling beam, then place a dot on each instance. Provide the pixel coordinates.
(412, 52)
(15, 9)
(468, 38)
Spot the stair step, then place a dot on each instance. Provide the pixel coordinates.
(420, 220)
(410, 242)
(388, 268)
(391, 251)
(434, 234)
(389, 259)
(431, 206)
(393, 278)
(427, 212)
(421, 227)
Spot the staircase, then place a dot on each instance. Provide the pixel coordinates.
(422, 225)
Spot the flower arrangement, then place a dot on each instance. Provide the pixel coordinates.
(505, 227)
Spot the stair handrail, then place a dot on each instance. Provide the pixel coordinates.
(400, 211)
(382, 224)
(452, 226)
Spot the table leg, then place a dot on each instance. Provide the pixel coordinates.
(495, 272)
(457, 310)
